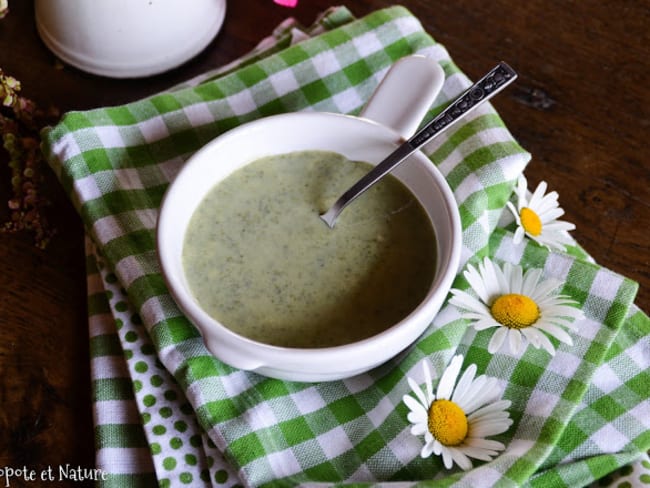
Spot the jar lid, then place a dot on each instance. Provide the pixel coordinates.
(128, 38)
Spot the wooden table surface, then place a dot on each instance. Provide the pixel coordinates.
(581, 106)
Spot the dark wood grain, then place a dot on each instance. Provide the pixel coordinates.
(580, 106)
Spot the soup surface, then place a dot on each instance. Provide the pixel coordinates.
(259, 259)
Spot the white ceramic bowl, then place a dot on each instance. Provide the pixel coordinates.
(128, 38)
(357, 139)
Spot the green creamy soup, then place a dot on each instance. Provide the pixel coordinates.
(260, 260)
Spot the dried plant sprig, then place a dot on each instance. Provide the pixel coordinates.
(20, 124)
(4, 8)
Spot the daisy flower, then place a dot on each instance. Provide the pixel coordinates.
(521, 306)
(457, 419)
(537, 217)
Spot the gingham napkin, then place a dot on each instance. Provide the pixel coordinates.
(166, 410)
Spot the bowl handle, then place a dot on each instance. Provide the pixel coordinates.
(405, 94)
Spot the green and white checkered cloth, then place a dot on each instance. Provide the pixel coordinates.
(168, 412)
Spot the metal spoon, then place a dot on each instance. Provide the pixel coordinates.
(492, 83)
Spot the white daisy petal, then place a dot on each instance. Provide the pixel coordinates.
(416, 418)
(437, 447)
(494, 415)
(427, 449)
(416, 408)
(484, 428)
(514, 212)
(557, 332)
(419, 429)
(532, 335)
(547, 215)
(486, 444)
(475, 279)
(415, 388)
(522, 189)
(569, 312)
(448, 380)
(551, 242)
(459, 457)
(486, 283)
(515, 341)
(538, 291)
(560, 300)
(561, 239)
(497, 340)
(515, 277)
(478, 390)
(491, 281)
(479, 453)
(464, 384)
(543, 341)
(559, 225)
(530, 281)
(547, 204)
(535, 239)
(485, 323)
(566, 323)
(537, 195)
(519, 235)
(477, 316)
(487, 410)
(447, 458)
(428, 438)
(478, 394)
(495, 280)
(561, 312)
(563, 316)
(466, 301)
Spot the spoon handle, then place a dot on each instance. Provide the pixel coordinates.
(493, 82)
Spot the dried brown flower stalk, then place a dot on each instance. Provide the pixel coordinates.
(20, 124)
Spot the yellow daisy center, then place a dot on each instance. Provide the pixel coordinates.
(515, 311)
(447, 422)
(530, 221)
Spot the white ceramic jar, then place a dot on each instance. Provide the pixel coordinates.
(128, 38)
